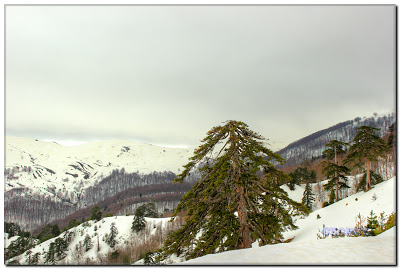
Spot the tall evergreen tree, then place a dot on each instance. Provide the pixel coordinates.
(366, 147)
(301, 175)
(96, 213)
(231, 206)
(111, 239)
(333, 171)
(87, 243)
(392, 135)
(139, 222)
(308, 197)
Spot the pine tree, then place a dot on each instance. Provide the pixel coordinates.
(50, 254)
(96, 213)
(28, 255)
(392, 136)
(87, 243)
(301, 175)
(372, 221)
(374, 179)
(111, 239)
(308, 197)
(138, 223)
(60, 247)
(231, 206)
(335, 173)
(366, 147)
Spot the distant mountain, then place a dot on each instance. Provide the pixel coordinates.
(46, 181)
(314, 144)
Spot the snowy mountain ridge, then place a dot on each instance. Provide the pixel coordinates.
(313, 145)
(55, 178)
(305, 248)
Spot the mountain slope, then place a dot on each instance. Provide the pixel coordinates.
(314, 144)
(97, 249)
(305, 248)
(46, 181)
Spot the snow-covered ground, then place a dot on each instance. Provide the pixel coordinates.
(69, 167)
(305, 248)
(378, 250)
(97, 232)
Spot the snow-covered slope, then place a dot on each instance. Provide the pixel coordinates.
(54, 181)
(378, 250)
(314, 144)
(305, 248)
(38, 165)
(97, 232)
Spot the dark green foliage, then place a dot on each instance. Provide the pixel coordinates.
(96, 213)
(325, 204)
(87, 243)
(375, 225)
(13, 262)
(19, 246)
(374, 177)
(146, 210)
(138, 223)
(31, 259)
(111, 238)
(392, 137)
(332, 196)
(366, 147)
(114, 255)
(231, 205)
(391, 221)
(50, 255)
(335, 173)
(372, 221)
(49, 231)
(148, 258)
(108, 215)
(334, 149)
(72, 223)
(308, 197)
(12, 229)
(60, 247)
(301, 175)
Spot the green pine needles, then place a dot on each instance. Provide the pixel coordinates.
(366, 147)
(308, 197)
(334, 172)
(232, 205)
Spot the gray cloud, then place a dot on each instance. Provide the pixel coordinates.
(167, 74)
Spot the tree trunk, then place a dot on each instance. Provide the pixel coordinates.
(243, 219)
(368, 176)
(337, 180)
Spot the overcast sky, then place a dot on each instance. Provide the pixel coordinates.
(167, 74)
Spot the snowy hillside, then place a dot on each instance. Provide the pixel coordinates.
(305, 248)
(54, 181)
(42, 166)
(88, 242)
(314, 144)
(378, 250)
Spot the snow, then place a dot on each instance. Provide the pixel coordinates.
(94, 161)
(306, 249)
(297, 193)
(125, 236)
(350, 251)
